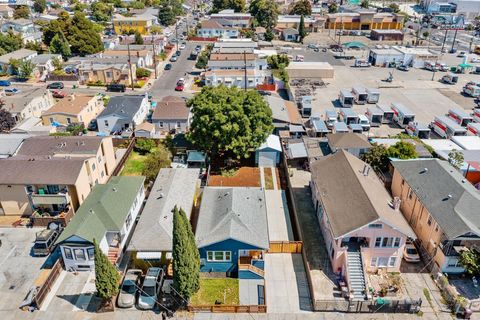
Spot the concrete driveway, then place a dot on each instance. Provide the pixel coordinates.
(18, 269)
(286, 284)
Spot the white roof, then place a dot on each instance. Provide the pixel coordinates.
(467, 142)
(273, 142)
(441, 144)
(418, 51)
(309, 65)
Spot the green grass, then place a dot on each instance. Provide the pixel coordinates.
(134, 164)
(215, 289)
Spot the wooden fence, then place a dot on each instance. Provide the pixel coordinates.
(228, 309)
(48, 284)
(63, 218)
(122, 161)
(285, 247)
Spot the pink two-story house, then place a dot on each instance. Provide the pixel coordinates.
(363, 229)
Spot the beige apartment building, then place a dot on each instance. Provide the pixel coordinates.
(53, 175)
(441, 206)
(73, 109)
(107, 73)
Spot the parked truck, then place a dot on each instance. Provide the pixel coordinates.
(450, 78)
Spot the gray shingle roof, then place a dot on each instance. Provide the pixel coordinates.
(352, 200)
(122, 106)
(347, 140)
(173, 187)
(456, 215)
(43, 146)
(233, 213)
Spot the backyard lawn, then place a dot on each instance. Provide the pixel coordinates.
(134, 164)
(212, 290)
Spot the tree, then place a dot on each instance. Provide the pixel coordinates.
(376, 157)
(143, 73)
(156, 160)
(144, 146)
(269, 35)
(229, 121)
(265, 12)
(402, 150)
(278, 61)
(62, 24)
(470, 260)
(101, 11)
(7, 122)
(39, 6)
(455, 158)
(137, 5)
(186, 259)
(26, 69)
(106, 275)
(426, 34)
(10, 42)
(166, 16)
(236, 5)
(202, 61)
(21, 12)
(365, 4)
(83, 37)
(138, 38)
(302, 7)
(156, 29)
(14, 66)
(333, 8)
(59, 44)
(395, 7)
(302, 33)
(34, 45)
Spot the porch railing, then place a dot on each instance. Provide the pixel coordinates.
(43, 221)
(250, 267)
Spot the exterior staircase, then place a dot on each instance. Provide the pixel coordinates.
(356, 275)
(113, 254)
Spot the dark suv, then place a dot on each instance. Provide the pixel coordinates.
(55, 85)
(116, 87)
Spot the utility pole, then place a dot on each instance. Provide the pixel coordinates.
(444, 39)
(130, 66)
(154, 58)
(176, 33)
(454, 38)
(245, 67)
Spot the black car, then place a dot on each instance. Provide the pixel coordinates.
(178, 53)
(55, 85)
(93, 125)
(116, 87)
(168, 66)
(264, 93)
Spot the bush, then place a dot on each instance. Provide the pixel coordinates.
(143, 73)
(144, 146)
(95, 83)
(139, 84)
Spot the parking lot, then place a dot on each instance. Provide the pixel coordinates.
(18, 268)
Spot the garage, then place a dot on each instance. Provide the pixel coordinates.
(268, 154)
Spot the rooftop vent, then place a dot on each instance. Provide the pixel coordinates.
(114, 189)
(91, 211)
(366, 170)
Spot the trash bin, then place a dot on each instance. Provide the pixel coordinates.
(467, 314)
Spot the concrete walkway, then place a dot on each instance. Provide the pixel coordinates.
(278, 217)
(248, 291)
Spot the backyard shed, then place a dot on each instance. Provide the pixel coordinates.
(268, 154)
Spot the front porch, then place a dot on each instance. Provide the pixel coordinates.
(114, 251)
(251, 264)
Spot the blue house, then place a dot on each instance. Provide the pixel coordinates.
(232, 232)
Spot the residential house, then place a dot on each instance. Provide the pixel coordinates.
(123, 113)
(73, 109)
(232, 233)
(293, 21)
(145, 130)
(355, 143)
(144, 57)
(269, 152)
(44, 62)
(441, 207)
(284, 114)
(33, 126)
(363, 231)
(172, 188)
(10, 144)
(137, 23)
(25, 28)
(232, 18)
(242, 46)
(29, 102)
(21, 55)
(6, 12)
(290, 34)
(107, 216)
(154, 43)
(171, 114)
(236, 61)
(231, 78)
(106, 73)
(214, 29)
(52, 176)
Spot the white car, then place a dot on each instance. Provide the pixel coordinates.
(461, 54)
(410, 253)
(182, 46)
(364, 122)
(475, 60)
(151, 287)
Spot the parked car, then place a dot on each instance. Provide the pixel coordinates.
(173, 58)
(152, 284)
(128, 289)
(180, 87)
(44, 241)
(4, 83)
(461, 54)
(410, 253)
(182, 46)
(59, 94)
(312, 46)
(198, 47)
(264, 93)
(11, 91)
(93, 125)
(403, 67)
(181, 81)
(178, 53)
(55, 85)
(168, 66)
(116, 87)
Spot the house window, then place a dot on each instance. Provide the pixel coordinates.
(382, 261)
(178, 124)
(51, 120)
(410, 193)
(99, 158)
(429, 221)
(109, 74)
(160, 124)
(128, 221)
(79, 254)
(373, 262)
(68, 253)
(219, 256)
(91, 253)
(387, 242)
(102, 174)
(375, 226)
(397, 242)
(93, 167)
(69, 121)
(378, 242)
(106, 123)
(392, 262)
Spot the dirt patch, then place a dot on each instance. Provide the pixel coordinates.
(268, 179)
(244, 177)
(463, 101)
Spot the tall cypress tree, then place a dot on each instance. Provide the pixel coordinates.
(106, 275)
(301, 28)
(186, 259)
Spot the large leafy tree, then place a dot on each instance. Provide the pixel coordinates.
(138, 38)
(106, 275)
(39, 6)
(9, 42)
(237, 5)
(26, 69)
(60, 45)
(62, 24)
(186, 259)
(21, 12)
(166, 15)
(302, 7)
(470, 260)
(229, 121)
(101, 11)
(265, 13)
(6, 120)
(377, 158)
(157, 159)
(402, 150)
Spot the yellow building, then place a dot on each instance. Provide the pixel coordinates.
(139, 23)
(73, 109)
(364, 21)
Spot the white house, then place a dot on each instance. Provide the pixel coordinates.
(123, 113)
(214, 29)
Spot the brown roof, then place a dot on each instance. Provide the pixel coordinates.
(52, 171)
(347, 140)
(70, 105)
(44, 146)
(211, 24)
(293, 112)
(231, 56)
(118, 53)
(147, 126)
(171, 110)
(351, 199)
(231, 73)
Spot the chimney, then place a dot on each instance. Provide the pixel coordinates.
(366, 170)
